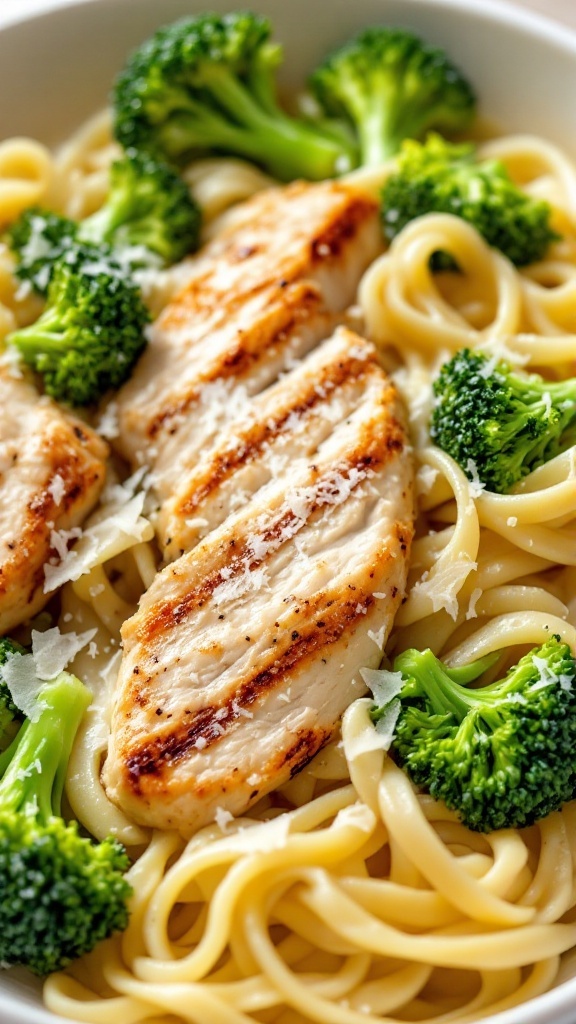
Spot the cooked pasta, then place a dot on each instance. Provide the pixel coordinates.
(346, 896)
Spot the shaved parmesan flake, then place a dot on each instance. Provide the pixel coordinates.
(385, 685)
(53, 650)
(358, 815)
(474, 596)
(385, 726)
(25, 674)
(20, 676)
(548, 677)
(59, 540)
(370, 739)
(441, 587)
(119, 494)
(121, 530)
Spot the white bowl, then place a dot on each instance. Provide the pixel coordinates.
(57, 67)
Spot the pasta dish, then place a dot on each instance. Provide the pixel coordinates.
(342, 892)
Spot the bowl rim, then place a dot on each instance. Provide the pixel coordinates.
(506, 11)
(547, 1007)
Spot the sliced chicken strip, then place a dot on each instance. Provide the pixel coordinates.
(287, 421)
(52, 469)
(245, 652)
(267, 290)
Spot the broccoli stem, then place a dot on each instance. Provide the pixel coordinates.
(287, 147)
(447, 688)
(116, 212)
(48, 742)
(30, 340)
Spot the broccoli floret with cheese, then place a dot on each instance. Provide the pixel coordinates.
(440, 177)
(391, 85)
(92, 331)
(37, 240)
(501, 755)
(60, 893)
(149, 219)
(498, 423)
(207, 84)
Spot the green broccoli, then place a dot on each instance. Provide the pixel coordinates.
(10, 715)
(149, 219)
(207, 84)
(392, 86)
(502, 755)
(92, 330)
(149, 208)
(60, 893)
(440, 177)
(499, 424)
(38, 239)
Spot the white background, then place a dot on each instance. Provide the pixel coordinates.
(560, 10)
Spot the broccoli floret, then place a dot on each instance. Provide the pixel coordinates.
(393, 86)
(502, 755)
(91, 332)
(440, 177)
(149, 208)
(60, 893)
(207, 84)
(10, 715)
(149, 218)
(499, 424)
(38, 239)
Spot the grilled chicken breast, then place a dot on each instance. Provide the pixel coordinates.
(245, 651)
(264, 293)
(286, 422)
(52, 470)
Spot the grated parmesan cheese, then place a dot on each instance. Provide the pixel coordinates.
(223, 818)
(57, 488)
(476, 485)
(105, 539)
(379, 637)
(108, 426)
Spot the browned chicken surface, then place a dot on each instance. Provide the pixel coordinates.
(245, 651)
(265, 292)
(52, 470)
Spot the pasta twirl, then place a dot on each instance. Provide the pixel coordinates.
(347, 897)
